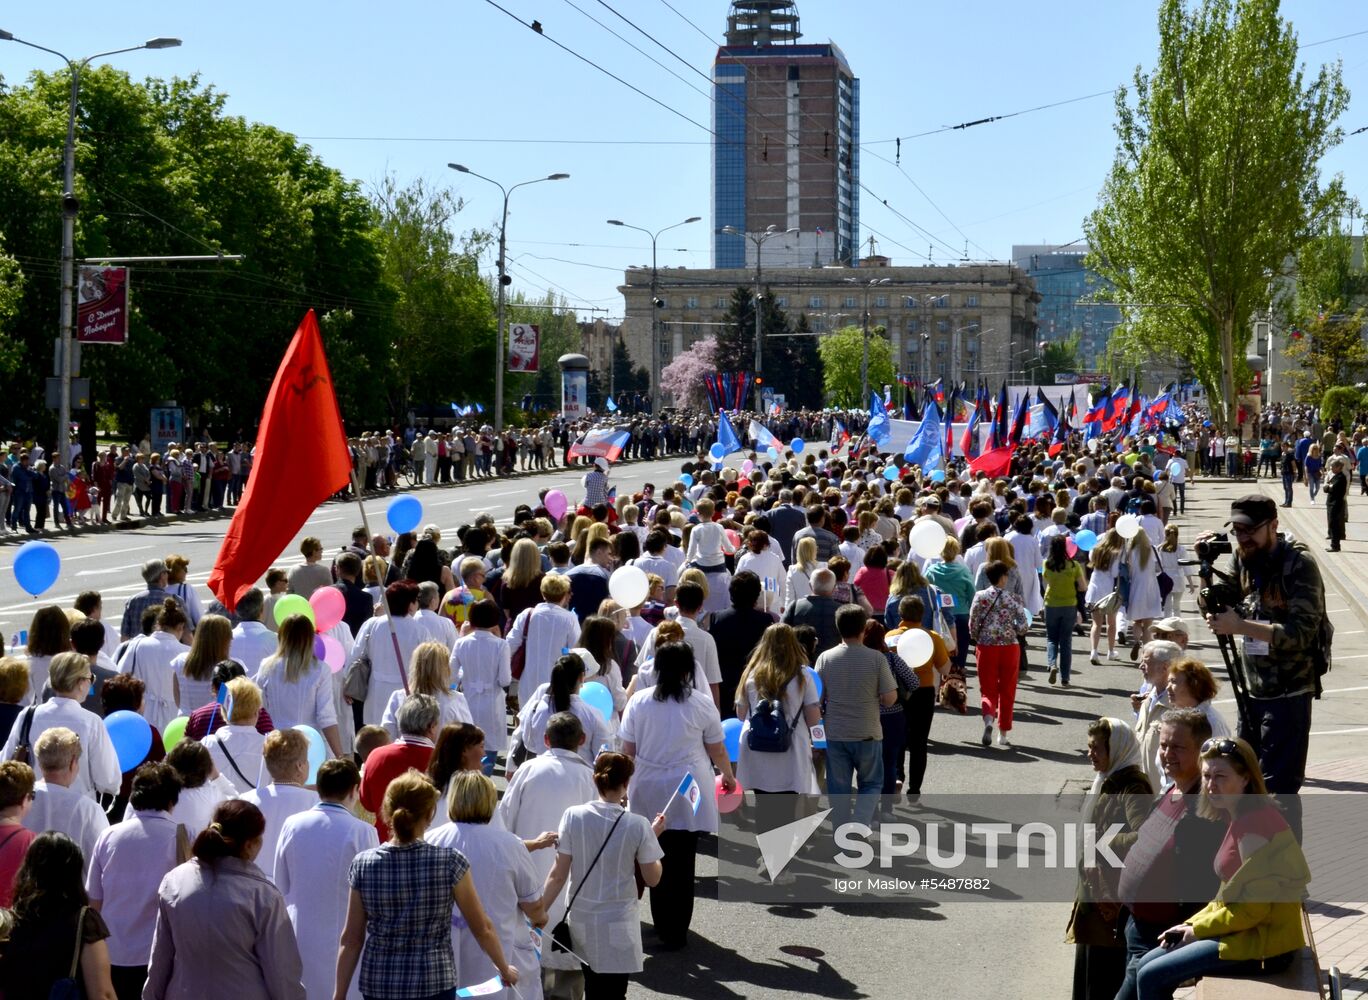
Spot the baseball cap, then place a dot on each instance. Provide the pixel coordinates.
(1252, 509)
(1172, 624)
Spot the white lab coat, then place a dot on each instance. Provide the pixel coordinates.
(535, 801)
(312, 857)
(504, 877)
(252, 643)
(1026, 552)
(244, 744)
(440, 629)
(374, 640)
(669, 737)
(99, 770)
(278, 803)
(769, 567)
(546, 630)
(148, 658)
(451, 705)
(537, 711)
(481, 662)
(56, 807)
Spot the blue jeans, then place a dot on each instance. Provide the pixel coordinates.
(1160, 971)
(1059, 624)
(851, 763)
(1140, 938)
(1287, 490)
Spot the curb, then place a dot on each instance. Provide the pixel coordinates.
(133, 524)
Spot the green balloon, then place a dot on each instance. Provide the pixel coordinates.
(293, 604)
(175, 731)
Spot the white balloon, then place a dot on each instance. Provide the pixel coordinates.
(915, 647)
(628, 586)
(1128, 526)
(927, 539)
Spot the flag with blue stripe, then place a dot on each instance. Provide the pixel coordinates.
(726, 435)
(610, 405)
(880, 427)
(689, 791)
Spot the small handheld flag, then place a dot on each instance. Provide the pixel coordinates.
(689, 791)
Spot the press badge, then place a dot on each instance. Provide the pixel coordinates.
(1255, 647)
(947, 600)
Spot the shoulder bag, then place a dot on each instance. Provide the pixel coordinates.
(356, 679)
(1165, 581)
(560, 934)
(23, 750)
(519, 663)
(975, 636)
(70, 987)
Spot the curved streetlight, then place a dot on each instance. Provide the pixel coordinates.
(504, 279)
(655, 305)
(69, 208)
(864, 357)
(759, 239)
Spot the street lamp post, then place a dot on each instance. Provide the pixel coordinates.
(759, 240)
(69, 209)
(864, 357)
(655, 301)
(503, 280)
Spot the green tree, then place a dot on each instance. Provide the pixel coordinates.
(1058, 358)
(626, 378)
(1215, 184)
(560, 334)
(1329, 352)
(842, 353)
(791, 365)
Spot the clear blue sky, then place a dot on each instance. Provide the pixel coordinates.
(408, 87)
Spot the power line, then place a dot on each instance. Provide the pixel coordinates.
(658, 42)
(634, 48)
(1327, 41)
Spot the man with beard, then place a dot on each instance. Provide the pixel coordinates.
(1276, 607)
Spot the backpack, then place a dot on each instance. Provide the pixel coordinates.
(769, 731)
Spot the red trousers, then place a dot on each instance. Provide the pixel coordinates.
(998, 669)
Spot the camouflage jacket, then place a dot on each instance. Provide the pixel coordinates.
(1292, 598)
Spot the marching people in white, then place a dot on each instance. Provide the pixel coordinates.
(236, 746)
(481, 661)
(762, 559)
(429, 673)
(149, 658)
(376, 642)
(56, 805)
(296, 687)
(286, 756)
(252, 641)
(312, 858)
(440, 628)
(70, 678)
(562, 695)
(505, 879)
(545, 630)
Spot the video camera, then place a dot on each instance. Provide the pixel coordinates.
(1213, 546)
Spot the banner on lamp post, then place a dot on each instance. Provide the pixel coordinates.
(524, 347)
(102, 305)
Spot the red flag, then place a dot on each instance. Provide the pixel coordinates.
(994, 462)
(301, 459)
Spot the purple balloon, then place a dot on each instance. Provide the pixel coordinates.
(320, 650)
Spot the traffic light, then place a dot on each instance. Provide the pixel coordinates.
(759, 380)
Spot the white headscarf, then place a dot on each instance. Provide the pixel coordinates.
(1123, 750)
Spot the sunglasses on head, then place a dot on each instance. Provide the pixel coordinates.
(1224, 747)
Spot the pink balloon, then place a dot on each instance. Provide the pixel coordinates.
(333, 655)
(747, 466)
(727, 803)
(329, 606)
(1070, 547)
(556, 504)
(733, 537)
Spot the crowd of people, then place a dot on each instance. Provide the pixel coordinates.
(380, 860)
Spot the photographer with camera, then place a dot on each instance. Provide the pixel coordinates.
(1274, 601)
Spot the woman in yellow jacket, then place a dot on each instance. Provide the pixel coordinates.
(1254, 925)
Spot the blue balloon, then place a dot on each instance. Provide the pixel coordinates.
(1085, 540)
(131, 736)
(404, 514)
(717, 467)
(797, 445)
(773, 453)
(731, 736)
(686, 479)
(816, 681)
(318, 751)
(36, 566)
(891, 473)
(938, 476)
(597, 697)
(717, 451)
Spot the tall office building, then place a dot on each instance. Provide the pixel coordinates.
(786, 153)
(1065, 284)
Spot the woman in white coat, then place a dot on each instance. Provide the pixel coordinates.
(561, 695)
(236, 747)
(605, 930)
(429, 673)
(1143, 601)
(482, 664)
(376, 641)
(505, 879)
(708, 548)
(761, 559)
(672, 730)
(1104, 562)
(296, 687)
(798, 582)
(213, 638)
(149, 658)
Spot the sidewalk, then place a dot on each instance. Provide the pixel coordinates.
(1338, 759)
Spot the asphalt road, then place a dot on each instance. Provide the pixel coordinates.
(876, 949)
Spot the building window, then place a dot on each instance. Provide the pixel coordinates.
(815, 302)
(782, 302)
(914, 326)
(971, 302)
(940, 347)
(692, 302)
(850, 302)
(941, 302)
(881, 301)
(942, 326)
(940, 369)
(914, 345)
(720, 302)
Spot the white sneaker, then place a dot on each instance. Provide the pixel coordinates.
(1003, 741)
(987, 730)
(1094, 659)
